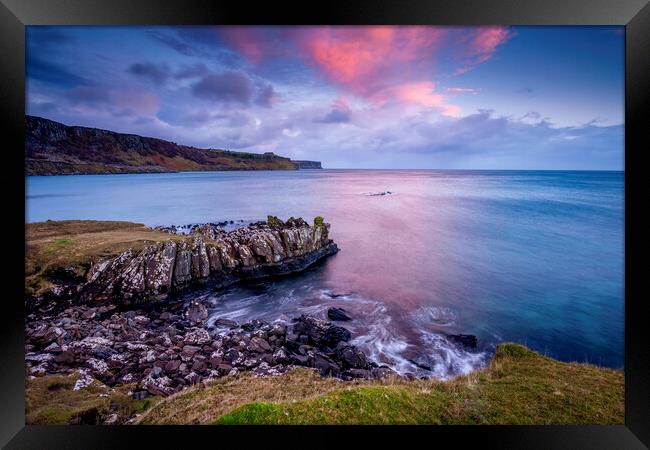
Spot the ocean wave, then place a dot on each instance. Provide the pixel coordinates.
(434, 315)
(406, 346)
(449, 360)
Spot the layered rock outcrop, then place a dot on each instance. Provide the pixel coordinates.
(208, 255)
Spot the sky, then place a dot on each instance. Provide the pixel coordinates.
(351, 97)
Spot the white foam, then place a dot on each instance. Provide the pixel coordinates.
(449, 360)
(434, 315)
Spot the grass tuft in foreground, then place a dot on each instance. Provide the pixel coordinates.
(52, 400)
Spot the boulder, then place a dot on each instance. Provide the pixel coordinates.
(338, 314)
(196, 312)
(351, 357)
(466, 340)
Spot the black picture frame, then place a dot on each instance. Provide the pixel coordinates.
(16, 14)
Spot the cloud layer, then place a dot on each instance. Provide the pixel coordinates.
(375, 96)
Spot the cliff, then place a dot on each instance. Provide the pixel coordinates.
(52, 148)
(127, 263)
(307, 164)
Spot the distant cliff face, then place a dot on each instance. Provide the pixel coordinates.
(52, 148)
(307, 164)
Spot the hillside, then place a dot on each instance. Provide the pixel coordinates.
(52, 148)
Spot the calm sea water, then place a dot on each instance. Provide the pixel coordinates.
(534, 257)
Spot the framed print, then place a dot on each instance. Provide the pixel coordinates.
(411, 214)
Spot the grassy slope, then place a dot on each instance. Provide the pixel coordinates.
(519, 387)
(53, 148)
(74, 243)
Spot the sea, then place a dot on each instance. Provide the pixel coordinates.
(533, 257)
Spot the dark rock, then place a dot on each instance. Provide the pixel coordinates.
(326, 366)
(383, 372)
(466, 340)
(103, 352)
(189, 351)
(199, 366)
(301, 360)
(338, 314)
(421, 365)
(252, 325)
(139, 395)
(320, 333)
(224, 369)
(231, 355)
(359, 373)
(352, 357)
(66, 357)
(259, 345)
(196, 312)
(225, 323)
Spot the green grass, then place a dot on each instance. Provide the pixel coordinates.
(520, 387)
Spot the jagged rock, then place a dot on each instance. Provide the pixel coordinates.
(383, 372)
(257, 251)
(259, 345)
(161, 385)
(338, 314)
(320, 332)
(359, 373)
(224, 369)
(197, 336)
(225, 323)
(352, 357)
(466, 340)
(325, 365)
(165, 352)
(172, 366)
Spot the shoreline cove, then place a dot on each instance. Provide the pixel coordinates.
(167, 336)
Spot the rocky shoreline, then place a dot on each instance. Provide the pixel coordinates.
(165, 348)
(122, 323)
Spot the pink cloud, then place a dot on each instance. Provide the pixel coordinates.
(420, 93)
(364, 59)
(482, 43)
(375, 62)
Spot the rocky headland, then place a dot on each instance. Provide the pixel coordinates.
(165, 262)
